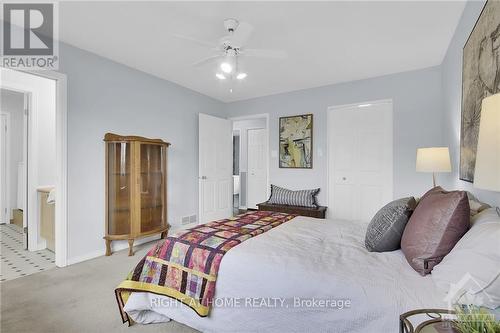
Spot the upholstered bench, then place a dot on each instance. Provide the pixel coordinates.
(319, 212)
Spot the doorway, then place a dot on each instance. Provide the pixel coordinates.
(16, 260)
(41, 202)
(360, 159)
(12, 147)
(223, 165)
(253, 163)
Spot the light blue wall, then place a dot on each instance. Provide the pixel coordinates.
(104, 96)
(417, 123)
(452, 97)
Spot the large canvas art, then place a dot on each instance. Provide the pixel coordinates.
(481, 78)
(296, 137)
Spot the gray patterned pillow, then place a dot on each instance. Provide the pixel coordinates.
(386, 228)
(302, 198)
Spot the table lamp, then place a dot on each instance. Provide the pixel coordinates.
(487, 172)
(434, 159)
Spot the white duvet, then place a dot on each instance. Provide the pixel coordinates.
(281, 281)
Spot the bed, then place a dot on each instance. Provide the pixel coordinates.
(304, 275)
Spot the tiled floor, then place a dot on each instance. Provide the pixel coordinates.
(17, 262)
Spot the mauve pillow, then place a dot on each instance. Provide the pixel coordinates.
(437, 224)
(386, 228)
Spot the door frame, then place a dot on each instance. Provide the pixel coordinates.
(5, 200)
(61, 207)
(329, 163)
(250, 117)
(239, 160)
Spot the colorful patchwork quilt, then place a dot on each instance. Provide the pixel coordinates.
(184, 266)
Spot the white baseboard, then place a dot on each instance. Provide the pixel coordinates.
(173, 229)
(85, 257)
(42, 244)
(115, 246)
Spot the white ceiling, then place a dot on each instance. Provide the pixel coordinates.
(327, 42)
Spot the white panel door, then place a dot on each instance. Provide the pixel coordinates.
(215, 168)
(360, 160)
(257, 167)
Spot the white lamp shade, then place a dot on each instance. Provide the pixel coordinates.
(487, 172)
(435, 159)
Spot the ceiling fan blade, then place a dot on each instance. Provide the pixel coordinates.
(206, 60)
(264, 53)
(196, 41)
(241, 34)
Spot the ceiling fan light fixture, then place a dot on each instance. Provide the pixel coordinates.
(220, 76)
(226, 67)
(241, 76)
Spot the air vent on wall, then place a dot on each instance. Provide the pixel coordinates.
(188, 219)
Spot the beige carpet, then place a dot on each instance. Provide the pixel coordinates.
(77, 298)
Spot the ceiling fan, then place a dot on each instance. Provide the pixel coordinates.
(230, 48)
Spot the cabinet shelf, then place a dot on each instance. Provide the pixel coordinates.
(141, 173)
(136, 195)
(142, 208)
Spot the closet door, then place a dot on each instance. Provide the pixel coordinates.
(360, 141)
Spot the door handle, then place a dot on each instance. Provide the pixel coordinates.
(202, 177)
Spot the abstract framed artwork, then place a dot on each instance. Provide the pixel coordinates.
(296, 142)
(480, 79)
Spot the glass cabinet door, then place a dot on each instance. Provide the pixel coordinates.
(118, 188)
(152, 186)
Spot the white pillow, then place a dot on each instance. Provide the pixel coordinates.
(476, 206)
(486, 216)
(470, 273)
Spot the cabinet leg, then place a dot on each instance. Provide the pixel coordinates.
(164, 234)
(108, 247)
(130, 247)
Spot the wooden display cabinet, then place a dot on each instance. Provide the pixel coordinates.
(136, 188)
